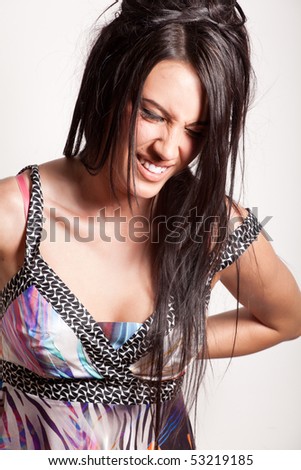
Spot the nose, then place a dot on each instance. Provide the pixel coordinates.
(167, 144)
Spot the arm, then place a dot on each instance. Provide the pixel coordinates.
(271, 300)
(12, 229)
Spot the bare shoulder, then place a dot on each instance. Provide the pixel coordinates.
(11, 202)
(237, 215)
(55, 174)
(11, 213)
(12, 227)
(57, 169)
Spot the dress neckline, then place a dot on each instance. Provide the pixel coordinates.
(61, 297)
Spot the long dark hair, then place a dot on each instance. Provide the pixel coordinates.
(211, 36)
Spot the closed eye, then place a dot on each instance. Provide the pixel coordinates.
(147, 114)
(195, 133)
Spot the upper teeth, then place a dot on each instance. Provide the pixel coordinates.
(152, 168)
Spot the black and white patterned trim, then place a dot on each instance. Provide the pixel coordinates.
(22, 280)
(35, 215)
(240, 240)
(119, 385)
(129, 392)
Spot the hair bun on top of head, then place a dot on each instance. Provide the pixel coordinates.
(150, 12)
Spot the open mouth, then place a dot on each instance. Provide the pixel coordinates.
(151, 167)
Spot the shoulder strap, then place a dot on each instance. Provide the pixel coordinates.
(240, 240)
(34, 213)
(24, 191)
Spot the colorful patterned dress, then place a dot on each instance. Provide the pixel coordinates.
(69, 382)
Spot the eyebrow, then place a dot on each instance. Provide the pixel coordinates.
(166, 113)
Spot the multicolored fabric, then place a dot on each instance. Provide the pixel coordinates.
(30, 422)
(72, 383)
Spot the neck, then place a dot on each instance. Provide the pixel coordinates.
(96, 195)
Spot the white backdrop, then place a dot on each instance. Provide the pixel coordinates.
(43, 45)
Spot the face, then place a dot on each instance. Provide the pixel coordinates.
(170, 124)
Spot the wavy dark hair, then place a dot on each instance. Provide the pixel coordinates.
(211, 36)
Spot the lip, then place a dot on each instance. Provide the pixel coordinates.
(149, 175)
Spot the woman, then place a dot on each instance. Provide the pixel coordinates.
(98, 333)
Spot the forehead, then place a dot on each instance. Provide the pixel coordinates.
(177, 88)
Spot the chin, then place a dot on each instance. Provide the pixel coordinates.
(146, 190)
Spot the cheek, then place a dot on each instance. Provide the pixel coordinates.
(191, 150)
(146, 132)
